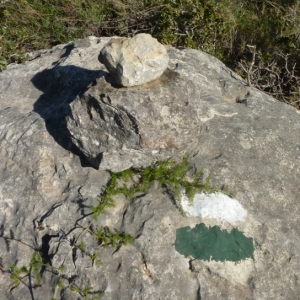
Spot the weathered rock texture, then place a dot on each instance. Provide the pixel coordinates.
(51, 171)
(134, 61)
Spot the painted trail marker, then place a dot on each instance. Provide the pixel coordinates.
(216, 206)
(212, 243)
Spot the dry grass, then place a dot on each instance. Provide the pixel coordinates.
(221, 28)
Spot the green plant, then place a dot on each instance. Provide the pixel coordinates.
(17, 274)
(84, 292)
(169, 174)
(35, 265)
(195, 24)
(31, 25)
(132, 183)
(106, 237)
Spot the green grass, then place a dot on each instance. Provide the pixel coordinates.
(221, 28)
(35, 24)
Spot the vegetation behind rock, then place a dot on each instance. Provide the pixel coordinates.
(258, 39)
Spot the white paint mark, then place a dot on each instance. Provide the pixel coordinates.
(216, 206)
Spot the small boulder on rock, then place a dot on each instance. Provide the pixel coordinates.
(134, 61)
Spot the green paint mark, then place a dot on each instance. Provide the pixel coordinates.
(208, 243)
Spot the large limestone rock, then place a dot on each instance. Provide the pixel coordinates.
(63, 125)
(134, 61)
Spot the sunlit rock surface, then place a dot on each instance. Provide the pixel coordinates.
(63, 124)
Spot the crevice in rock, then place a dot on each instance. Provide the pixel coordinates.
(140, 231)
(198, 296)
(6, 240)
(119, 267)
(81, 205)
(171, 196)
(102, 96)
(146, 270)
(39, 225)
(44, 250)
(2, 268)
(74, 256)
(65, 234)
(191, 267)
(119, 121)
(133, 120)
(117, 249)
(72, 279)
(93, 103)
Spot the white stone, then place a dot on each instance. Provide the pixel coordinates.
(134, 61)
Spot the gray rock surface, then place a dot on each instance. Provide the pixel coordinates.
(134, 61)
(63, 125)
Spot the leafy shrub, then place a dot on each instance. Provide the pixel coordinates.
(268, 40)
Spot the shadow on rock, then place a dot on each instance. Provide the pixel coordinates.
(61, 85)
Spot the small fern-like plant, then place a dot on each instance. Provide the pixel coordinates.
(33, 270)
(36, 264)
(84, 292)
(17, 274)
(169, 174)
(132, 183)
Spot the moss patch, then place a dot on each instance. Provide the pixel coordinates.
(212, 243)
